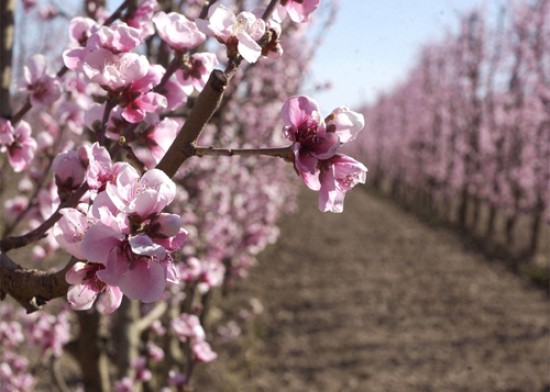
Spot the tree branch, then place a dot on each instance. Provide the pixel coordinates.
(154, 314)
(31, 288)
(281, 152)
(14, 242)
(206, 104)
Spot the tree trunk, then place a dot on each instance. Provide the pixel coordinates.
(463, 209)
(490, 231)
(7, 32)
(535, 228)
(90, 355)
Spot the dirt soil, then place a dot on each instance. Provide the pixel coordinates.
(375, 300)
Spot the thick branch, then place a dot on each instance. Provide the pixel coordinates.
(206, 104)
(31, 288)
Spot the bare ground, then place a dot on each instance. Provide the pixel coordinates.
(375, 300)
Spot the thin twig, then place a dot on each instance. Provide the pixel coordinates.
(9, 243)
(156, 313)
(269, 10)
(281, 152)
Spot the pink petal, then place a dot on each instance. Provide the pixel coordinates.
(81, 296)
(296, 110)
(143, 245)
(99, 241)
(145, 281)
(248, 48)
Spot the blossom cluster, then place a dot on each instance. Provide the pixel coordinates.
(123, 240)
(121, 218)
(315, 144)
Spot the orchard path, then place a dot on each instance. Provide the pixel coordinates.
(375, 300)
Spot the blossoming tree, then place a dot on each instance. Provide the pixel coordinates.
(101, 193)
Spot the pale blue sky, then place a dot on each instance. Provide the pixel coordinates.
(374, 42)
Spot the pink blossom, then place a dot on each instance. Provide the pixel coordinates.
(155, 352)
(69, 231)
(158, 138)
(143, 196)
(114, 72)
(177, 31)
(100, 168)
(69, 171)
(165, 225)
(15, 206)
(43, 87)
(238, 32)
(50, 332)
(48, 200)
(22, 147)
(137, 99)
(173, 91)
(298, 10)
(118, 38)
(315, 140)
(86, 287)
(125, 385)
(203, 352)
(139, 277)
(126, 234)
(135, 111)
(345, 123)
(81, 28)
(188, 326)
(339, 174)
(141, 17)
(6, 132)
(195, 72)
(311, 141)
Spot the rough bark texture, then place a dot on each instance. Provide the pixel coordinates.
(31, 288)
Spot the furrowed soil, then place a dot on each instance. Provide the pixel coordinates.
(375, 300)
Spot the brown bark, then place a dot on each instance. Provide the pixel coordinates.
(205, 106)
(7, 27)
(31, 288)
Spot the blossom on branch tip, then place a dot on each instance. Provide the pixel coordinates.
(238, 32)
(315, 143)
(338, 175)
(298, 10)
(42, 86)
(81, 28)
(311, 141)
(177, 31)
(18, 143)
(189, 329)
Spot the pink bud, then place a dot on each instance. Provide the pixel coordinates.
(69, 171)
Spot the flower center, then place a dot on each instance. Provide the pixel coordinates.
(307, 134)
